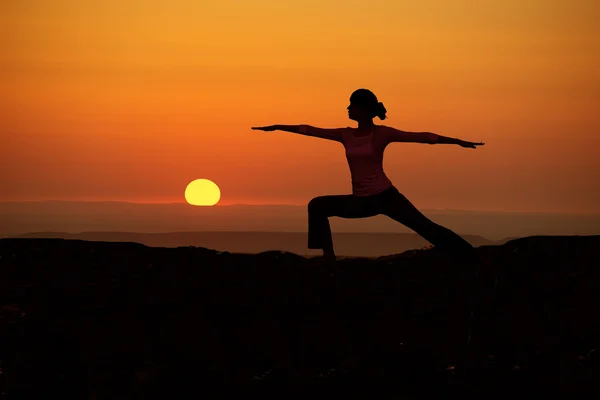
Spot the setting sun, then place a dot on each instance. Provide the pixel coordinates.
(202, 192)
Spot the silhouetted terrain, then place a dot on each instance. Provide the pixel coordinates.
(122, 320)
(346, 244)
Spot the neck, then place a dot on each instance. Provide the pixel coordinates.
(365, 125)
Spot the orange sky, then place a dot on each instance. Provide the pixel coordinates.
(132, 100)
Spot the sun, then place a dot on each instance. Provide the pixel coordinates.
(202, 192)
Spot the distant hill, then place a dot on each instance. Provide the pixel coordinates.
(346, 244)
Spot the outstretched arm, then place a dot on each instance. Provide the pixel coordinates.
(462, 143)
(396, 135)
(307, 130)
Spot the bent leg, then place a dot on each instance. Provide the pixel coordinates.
(344, 206)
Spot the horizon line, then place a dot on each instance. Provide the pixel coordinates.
(284, 204)
(19, 235)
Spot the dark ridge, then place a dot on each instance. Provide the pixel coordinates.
(89, 319)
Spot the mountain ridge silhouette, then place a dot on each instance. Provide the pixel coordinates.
(124, 319)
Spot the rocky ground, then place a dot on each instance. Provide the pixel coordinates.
(81, 319)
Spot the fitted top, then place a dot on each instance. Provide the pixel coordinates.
(365, 153)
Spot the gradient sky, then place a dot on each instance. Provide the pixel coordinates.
(132, 100)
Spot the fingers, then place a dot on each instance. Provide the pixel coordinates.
(472, 145)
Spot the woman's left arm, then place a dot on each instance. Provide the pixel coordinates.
(462, 143)
(396, 135)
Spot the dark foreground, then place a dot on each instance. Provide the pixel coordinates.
(104, 320)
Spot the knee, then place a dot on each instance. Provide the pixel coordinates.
(315, 206)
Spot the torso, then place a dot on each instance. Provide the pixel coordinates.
(365, 159)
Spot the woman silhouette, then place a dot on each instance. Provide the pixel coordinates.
(372, 192)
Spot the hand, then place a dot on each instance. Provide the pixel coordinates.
(265, 128)
(470, 145)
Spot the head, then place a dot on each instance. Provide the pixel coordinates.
(364, 106)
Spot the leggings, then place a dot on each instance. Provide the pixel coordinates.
(389, 202)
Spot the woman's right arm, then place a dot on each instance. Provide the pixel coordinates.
(307, 130)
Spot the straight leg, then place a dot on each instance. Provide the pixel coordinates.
(396, 206)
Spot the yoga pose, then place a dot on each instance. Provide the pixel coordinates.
(372, 192)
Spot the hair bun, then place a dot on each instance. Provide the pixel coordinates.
(382, 111)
